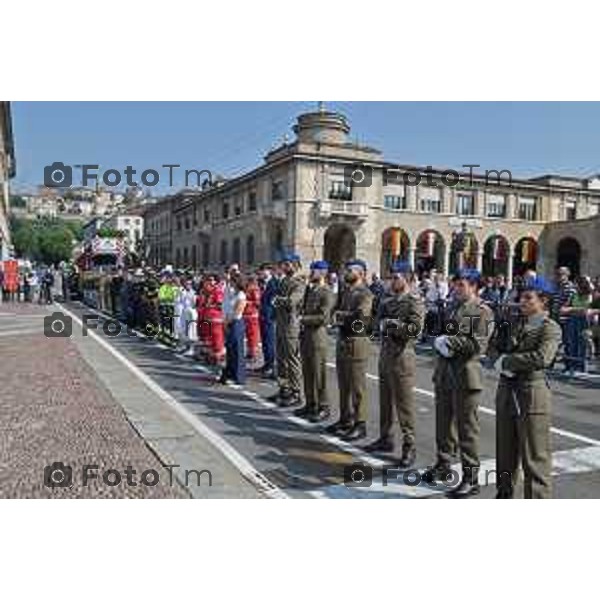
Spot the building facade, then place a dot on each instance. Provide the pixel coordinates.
(7, 171)
(324, 196)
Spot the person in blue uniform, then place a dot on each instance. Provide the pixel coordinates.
(269, 289)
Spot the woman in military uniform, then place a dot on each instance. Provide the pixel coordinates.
(523, 398)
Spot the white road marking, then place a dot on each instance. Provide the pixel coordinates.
(490, 411)
(227, 450)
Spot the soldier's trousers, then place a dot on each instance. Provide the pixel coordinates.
(289, 368)
(352, 384)
(396, 392)
(314, 373)
(523, 438)
(457, 425)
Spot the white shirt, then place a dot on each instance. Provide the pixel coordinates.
(232, 297)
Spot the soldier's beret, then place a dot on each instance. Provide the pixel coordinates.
(322, 265)
(400, 267)
(356, 262)
(539, 284)
(289, 257)
(471, 275)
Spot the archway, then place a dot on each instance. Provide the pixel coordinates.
(526, 253)
(568, 254)
(430, 251)
(395, 245)
(339, 246)
(496, 250)
(470, 247)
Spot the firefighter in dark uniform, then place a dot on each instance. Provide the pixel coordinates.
(354, 321)
(288, 305)
(523, 398)
(316, 316)
(150, 303)
(400, 318)
(458, 383)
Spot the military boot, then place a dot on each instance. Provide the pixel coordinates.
(409, 455)
(358, 432)
(468, 486)
(439, 472)
(383, 444)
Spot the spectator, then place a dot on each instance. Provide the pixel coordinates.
(233, 308)
(576, 335)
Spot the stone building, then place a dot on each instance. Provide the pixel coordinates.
(7, 171)
(324, 196)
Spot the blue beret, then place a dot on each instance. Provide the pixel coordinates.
(539, 285)
(401, 267)
(289, 257)
(322, 265)
(357, 262)
(471, 275)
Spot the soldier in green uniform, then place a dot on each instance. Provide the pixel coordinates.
(316, 316)
(523, 398)
(288, 305)
(458, 383)
(150, 303)
(400, 317)
(353, 317)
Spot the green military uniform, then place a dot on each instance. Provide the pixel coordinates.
(397, 364)
(458, 383)
(150, 306)
(523, 407)
(288, 305)
(316, 315)
(352, 352)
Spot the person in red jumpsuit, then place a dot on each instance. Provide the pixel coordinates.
(213, 315)
(251, 318)
(202, 326)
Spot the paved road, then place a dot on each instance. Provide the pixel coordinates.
(302, 461)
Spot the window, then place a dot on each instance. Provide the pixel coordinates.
(593, 209)
(250, 249)
(527, 209)
(395, 202)
(238, 209)
(178, 257)
(465, 205)
(236, 253)
(178, 224)
(206, 214)
(225, 211)
(187, 222)
(570, 210)
(223, 252)
(277, 190)
(338, 190)
(195, 217)
(496, 206)
(430, 200)
(252, 201)
(194, 256)
(185, 257)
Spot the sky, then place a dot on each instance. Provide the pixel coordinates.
(228, 138)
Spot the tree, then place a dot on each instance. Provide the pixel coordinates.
(44, 240)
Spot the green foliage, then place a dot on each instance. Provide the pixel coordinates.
(109, 232)
(17, 202)
(44, 240)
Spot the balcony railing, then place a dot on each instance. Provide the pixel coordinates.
(339, 207)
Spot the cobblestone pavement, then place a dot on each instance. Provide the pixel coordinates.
(53, 408)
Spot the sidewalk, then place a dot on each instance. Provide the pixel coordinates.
(56, 407)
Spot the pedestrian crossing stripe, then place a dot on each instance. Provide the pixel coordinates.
(584, 459)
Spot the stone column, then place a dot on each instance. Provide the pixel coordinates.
(479, 258)
(447, 251)
(509, 267)
(411, 257)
